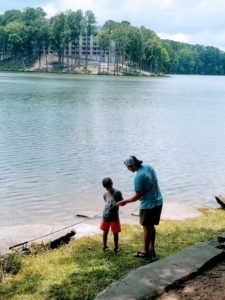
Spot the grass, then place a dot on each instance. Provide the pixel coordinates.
(80, 270)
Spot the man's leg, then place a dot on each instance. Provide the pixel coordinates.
(147, 238)
(152, 238)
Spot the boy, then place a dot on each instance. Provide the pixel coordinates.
(110, 214)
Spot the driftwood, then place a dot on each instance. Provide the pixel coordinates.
(57, 241)
(221, 200)
(87, 214)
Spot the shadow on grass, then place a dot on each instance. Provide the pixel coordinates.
(98, 270)
(20, 287)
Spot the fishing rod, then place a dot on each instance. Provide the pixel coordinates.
(78, 215)
(32, 240)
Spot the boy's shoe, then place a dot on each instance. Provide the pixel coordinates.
(106, 249)
(118, 250)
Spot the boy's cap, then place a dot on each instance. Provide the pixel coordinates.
(131, 161)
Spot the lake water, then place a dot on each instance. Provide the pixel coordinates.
(60, 135)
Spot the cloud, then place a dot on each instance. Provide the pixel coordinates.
(194, 21)
(206, 38)
(50, 9)
(179, 37)
(164, 4)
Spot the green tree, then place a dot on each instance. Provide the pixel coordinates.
(9, 16)
(125, 23)
(41, 34)
(75, 22)
(3, 43)
(155, 54)
(119, 37)
(89, 29)
(16, 35)
(103, 39)
(111, 25)
(59, 36)
(30, 14)
(135, 45)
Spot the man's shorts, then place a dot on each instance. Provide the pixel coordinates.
(115, 226)
(150, 216)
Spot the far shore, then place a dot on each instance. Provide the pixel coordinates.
(93, 68)
(13, 235)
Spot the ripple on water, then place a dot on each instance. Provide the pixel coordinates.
(60, 135)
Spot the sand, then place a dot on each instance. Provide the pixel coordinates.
(13, 235)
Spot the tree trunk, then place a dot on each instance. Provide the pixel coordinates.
(39, 57)
(46, 62)
(108, 62)
(99, 65)
(67, 60)
(86, 52)
(103, 62)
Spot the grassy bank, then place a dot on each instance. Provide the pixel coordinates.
(80, 270)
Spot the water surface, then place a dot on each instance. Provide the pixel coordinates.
(60, 135)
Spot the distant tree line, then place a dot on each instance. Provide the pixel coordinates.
(24, 34)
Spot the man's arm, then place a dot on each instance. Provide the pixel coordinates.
(136, 197)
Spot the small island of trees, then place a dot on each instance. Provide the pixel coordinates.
(28, 38)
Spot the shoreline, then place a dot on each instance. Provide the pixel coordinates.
(12, 235)
(90, 71)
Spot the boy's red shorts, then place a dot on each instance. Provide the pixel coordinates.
(115, 226)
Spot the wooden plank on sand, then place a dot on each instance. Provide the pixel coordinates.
(221, 200)
(87, 214)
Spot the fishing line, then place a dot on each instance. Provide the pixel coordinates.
(26, 242)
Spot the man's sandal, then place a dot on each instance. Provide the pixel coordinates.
(141, 254)
(106, 249)
(118, 250)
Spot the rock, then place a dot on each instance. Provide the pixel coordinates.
(151, 280)
(221, 246)
(221, 238)
(214, 243)
(221, 200)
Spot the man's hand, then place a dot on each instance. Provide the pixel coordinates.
(121, 203)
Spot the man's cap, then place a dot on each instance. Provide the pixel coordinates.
(132, 161)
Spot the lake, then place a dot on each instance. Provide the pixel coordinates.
(60, 135)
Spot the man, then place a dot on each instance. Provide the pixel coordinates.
(148, 192)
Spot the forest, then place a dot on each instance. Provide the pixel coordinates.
(24, 35)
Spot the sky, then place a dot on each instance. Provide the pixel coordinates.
(191, 21)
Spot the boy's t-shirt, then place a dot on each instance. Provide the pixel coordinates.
(110, 212)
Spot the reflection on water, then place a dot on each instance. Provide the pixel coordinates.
(61, 134)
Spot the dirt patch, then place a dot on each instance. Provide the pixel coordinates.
(208, 285)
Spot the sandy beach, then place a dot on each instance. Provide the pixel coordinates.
(13, 235)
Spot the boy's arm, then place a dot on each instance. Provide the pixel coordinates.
(136, 197)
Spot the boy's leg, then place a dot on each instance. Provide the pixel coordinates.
(116, 228)
(105, 237)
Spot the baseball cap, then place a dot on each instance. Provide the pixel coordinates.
(131, 161)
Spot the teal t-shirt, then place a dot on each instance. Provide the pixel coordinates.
(146, 181)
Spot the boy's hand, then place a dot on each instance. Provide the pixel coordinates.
(121, 203)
